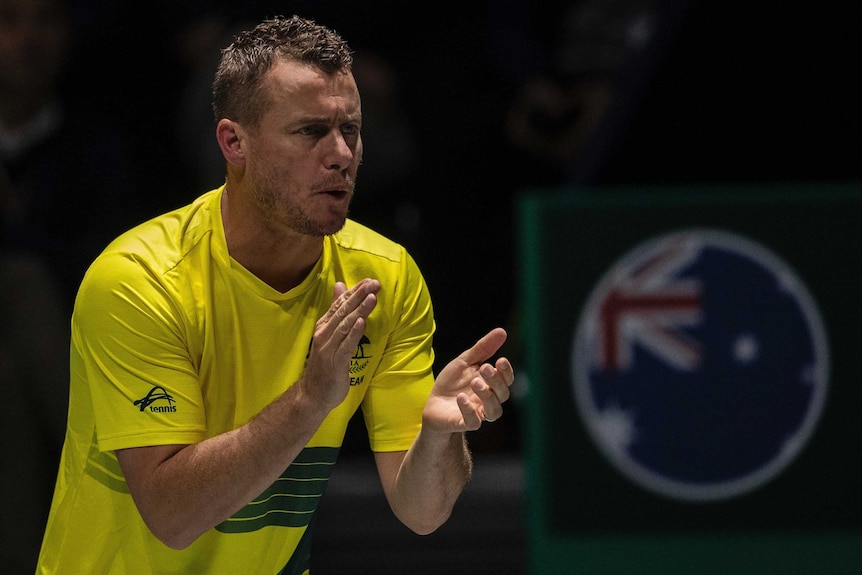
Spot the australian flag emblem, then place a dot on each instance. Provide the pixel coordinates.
(700, 365)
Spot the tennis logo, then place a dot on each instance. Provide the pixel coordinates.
(700, 365)
(157, 394)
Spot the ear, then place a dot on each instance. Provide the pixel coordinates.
(230, 137)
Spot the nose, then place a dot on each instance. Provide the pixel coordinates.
(340, 153)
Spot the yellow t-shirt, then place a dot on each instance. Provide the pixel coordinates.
(174, 342)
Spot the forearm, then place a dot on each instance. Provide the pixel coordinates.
(196, 487)
(429, 480)
(423, 483)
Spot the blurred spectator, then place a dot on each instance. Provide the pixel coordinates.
(198, 45)
(585, 67)
(67, 187)
(70, 181)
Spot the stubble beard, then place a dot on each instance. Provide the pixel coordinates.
(281, 210)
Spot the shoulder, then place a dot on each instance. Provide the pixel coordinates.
(358, 251)
(148, 252)
(363, 240)
(165, 239)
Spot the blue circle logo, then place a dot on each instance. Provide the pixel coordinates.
(700, 365)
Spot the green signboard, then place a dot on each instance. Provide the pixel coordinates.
(693, 358)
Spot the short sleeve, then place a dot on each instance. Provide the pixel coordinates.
(129, 348)
(400, 388)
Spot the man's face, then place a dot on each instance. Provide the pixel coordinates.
(303, 157)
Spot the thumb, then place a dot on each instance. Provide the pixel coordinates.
(485, 347)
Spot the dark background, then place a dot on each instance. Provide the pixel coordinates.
(718, 92)
(721, 92)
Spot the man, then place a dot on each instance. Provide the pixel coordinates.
(220, 350)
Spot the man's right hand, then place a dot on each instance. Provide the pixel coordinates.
(336, 335)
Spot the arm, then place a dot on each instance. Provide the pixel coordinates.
(182, 491)
(423, 483)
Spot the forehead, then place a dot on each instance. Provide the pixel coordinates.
(304, 85)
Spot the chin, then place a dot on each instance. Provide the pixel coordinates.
(337, 228)
(329, 228)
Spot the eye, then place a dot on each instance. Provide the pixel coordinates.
(312, 130)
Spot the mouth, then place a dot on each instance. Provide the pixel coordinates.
(336, 194)
(337, 190)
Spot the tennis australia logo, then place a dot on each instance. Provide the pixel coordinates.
(359, 362)
(157, 394)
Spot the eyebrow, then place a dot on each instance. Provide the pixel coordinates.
(350, 118)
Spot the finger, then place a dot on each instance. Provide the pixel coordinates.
(350, 328)
(469, 413)
(498, 378)
(485, 347)
(342, 298)
(338, 290)
(340, 295)
(484, 392)
(505, 371)
(491, 406)
(342, 327)
(345, 300)
(359, 304)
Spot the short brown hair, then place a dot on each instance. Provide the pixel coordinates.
(237, 85)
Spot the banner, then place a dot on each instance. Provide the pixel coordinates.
(694, 383)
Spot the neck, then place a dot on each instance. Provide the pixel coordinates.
(281, 259)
